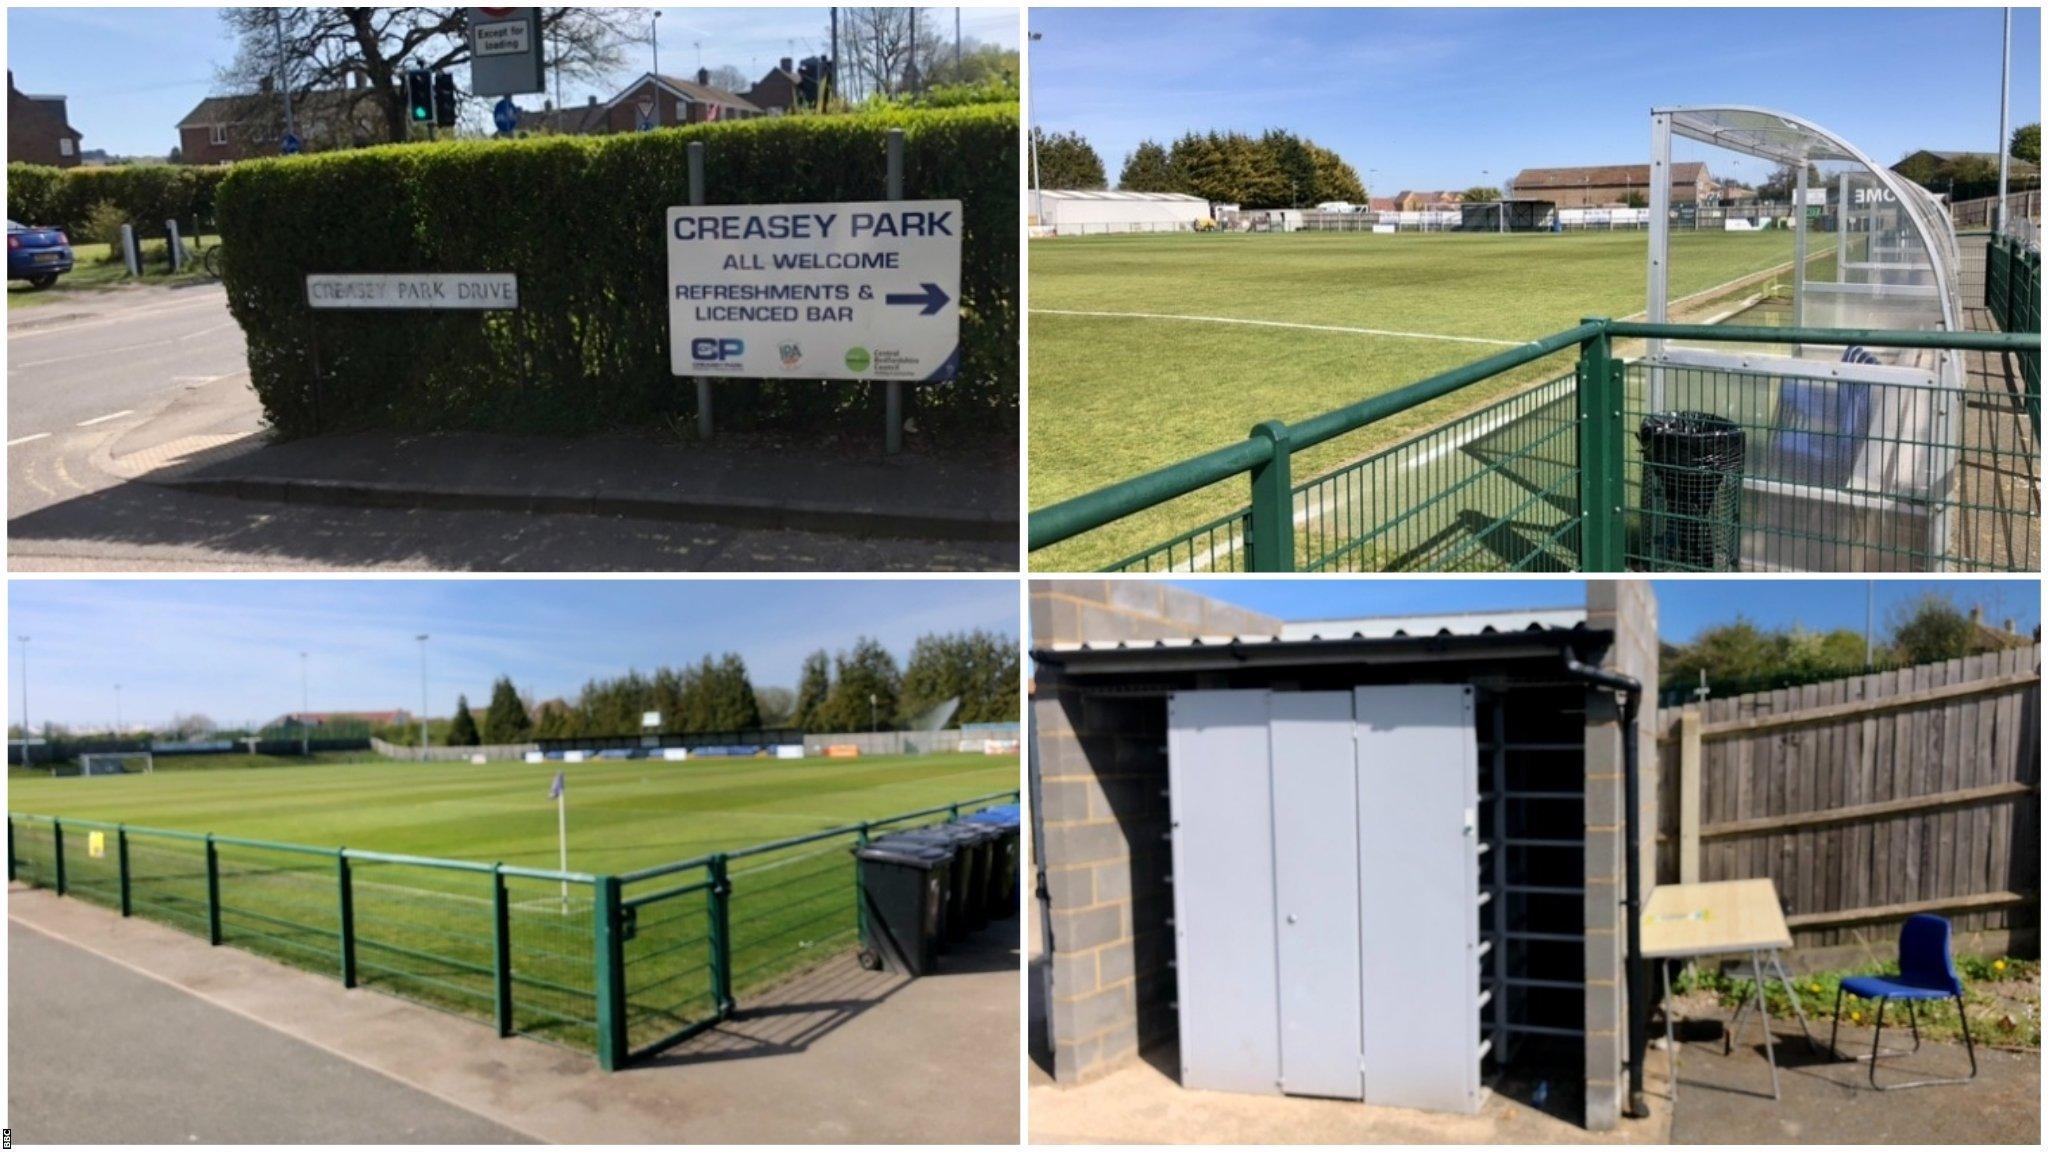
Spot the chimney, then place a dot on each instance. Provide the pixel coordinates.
(1976, 614)
(593, 101)
(704, 77)
(266, 85)
(2009, 622)
(786, 62)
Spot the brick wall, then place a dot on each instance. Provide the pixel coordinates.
(1102, 820)
(1630, 609)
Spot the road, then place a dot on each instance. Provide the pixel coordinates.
(108, 387)
(98, 1053)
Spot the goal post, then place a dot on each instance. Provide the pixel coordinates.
(115, 763)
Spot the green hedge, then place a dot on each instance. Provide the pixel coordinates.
(147, 194)
(580, 220)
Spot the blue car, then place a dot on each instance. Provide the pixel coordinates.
(37, 255)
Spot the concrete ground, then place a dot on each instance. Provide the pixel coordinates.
(115, 397)
(98, 1053)
(1725, 1099)
(838, 1055)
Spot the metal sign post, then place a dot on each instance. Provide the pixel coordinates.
(859, 291)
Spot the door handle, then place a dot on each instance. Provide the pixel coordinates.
(1291, 917)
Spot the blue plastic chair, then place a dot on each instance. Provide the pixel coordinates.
(1926, 972)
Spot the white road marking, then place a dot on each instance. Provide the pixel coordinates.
(1283, 324)
(107, 417)
(27, 439)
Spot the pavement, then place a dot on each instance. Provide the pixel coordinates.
(99, 1053)
(836, 1056)
(137, 444)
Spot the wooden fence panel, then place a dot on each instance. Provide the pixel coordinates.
(1868, 798)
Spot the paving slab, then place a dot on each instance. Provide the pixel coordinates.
(837, 1055)
(737, 480)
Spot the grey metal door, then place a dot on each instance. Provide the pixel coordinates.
(1419, 913)
(1220, 791)
(1315, 860)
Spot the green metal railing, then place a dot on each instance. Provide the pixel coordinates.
(622, 966)
(2012, 292)
(1551, 478)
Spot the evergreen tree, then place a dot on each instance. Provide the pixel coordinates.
(2026, 143)
(865, 690)
(1149, 169)
(506, 721)
(1335, 179)
(980, 668)
(462, 730)
(812, 689)
(1067, 161)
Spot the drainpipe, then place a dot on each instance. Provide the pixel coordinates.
(1631, 692)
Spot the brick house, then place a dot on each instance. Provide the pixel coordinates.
(668, 102)
(1610, 185)
(586, 119)
(39, 129)
(1414, 201)
(223, 129)
(776, 93)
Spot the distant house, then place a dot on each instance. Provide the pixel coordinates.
(1414, 201)
(668, 102)
(39, 129)
(776, 93)
(1965, 175)
(1610, 185)
(222, 129)
(1383, 204)
(574, 120)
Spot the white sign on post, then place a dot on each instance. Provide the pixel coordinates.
(861, 291)
(414, 291)
(505, 51)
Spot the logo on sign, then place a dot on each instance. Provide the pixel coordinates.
(858, 359)
(791, 352)
(712, 350)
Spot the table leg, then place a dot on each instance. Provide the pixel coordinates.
(1778, 962)
(1763, 1008)
(1670, 1040)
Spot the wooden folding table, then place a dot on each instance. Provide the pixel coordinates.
(1690, 921)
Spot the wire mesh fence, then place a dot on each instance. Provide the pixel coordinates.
(619, 966)
(1912, 457)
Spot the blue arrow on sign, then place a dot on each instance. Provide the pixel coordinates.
(506, 115)
(290, 145)
(932, 298)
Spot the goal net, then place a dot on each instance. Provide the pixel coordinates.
(111, 764)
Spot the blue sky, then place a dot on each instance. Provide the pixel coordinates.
(229, 648)
(1430, 97)
(132, 73)
(1684, 606)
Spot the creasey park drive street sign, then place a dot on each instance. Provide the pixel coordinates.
(859, 291)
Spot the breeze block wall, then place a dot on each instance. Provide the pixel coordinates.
(580, 221)
(1629, 608)
(1103, 818)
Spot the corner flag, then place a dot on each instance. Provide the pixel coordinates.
(556, 789)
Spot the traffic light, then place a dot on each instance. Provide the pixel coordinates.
(807, 81)
(444, 100)
(419, 96)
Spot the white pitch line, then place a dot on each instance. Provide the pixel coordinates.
(27, 439)
(1284, 324)
(107, 417)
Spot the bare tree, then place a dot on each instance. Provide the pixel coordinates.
(879, 58)
(730, 79)
(330, 49)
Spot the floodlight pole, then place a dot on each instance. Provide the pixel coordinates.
(1660, 246)
(1037, 188)
(2004, 127)
(305, 734)
(118, 727)
(422, 638)
(24, 700)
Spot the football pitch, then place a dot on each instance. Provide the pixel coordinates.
(1146, 350)
(432, 934)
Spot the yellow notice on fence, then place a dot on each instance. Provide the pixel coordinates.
(96, 845)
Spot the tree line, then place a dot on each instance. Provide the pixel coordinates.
(858, 689)
(1275, 169)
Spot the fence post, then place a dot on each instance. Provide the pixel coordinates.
(57, 846)
(345, 912)
(212, 891)
(1689, 721)
(611, 976)
(892, 390)
(718, 899)
(121, 857)
(1599, 414)
(693, 154)
(501, 962)
(1272, 537)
